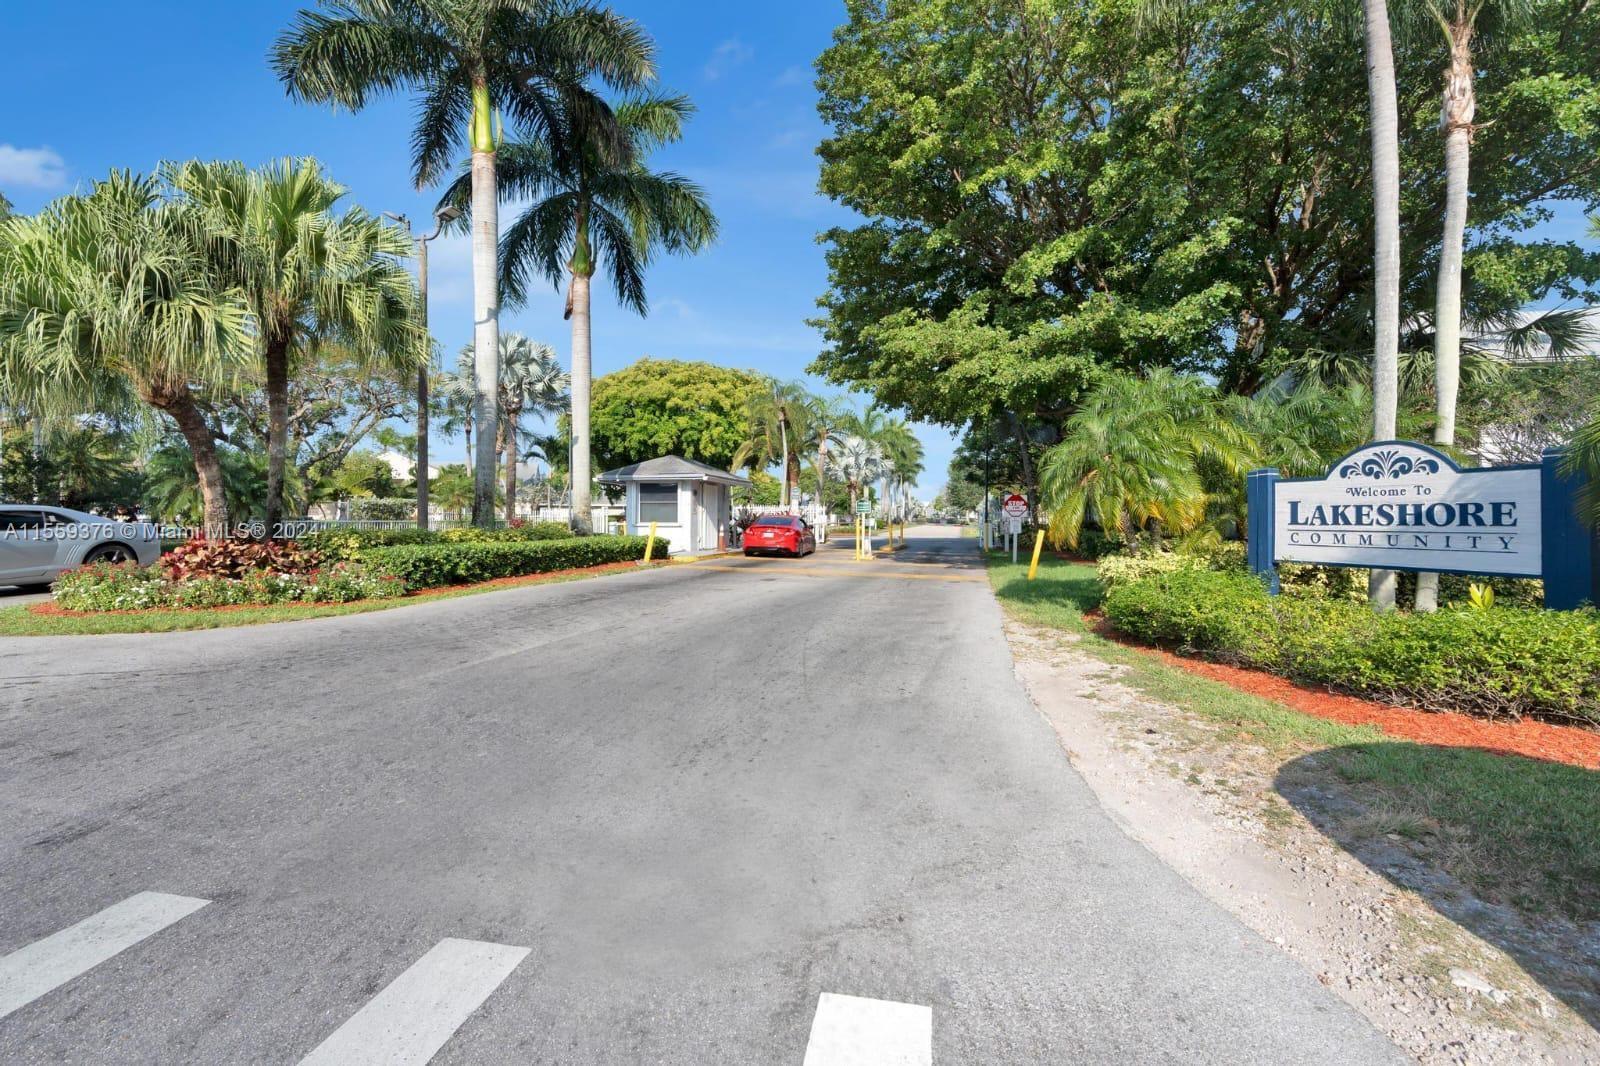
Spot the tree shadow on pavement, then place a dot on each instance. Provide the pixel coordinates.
(1504, 846)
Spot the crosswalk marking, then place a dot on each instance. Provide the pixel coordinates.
(851, 1031)
(410, 1020)
(30, 972)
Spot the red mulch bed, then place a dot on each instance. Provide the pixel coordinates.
(51, 610)
(1533, 739)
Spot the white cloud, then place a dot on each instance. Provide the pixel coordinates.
(33, 168)
(678, 307)
(727, 55)
(796, 75)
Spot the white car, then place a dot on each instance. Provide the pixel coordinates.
(38, 543)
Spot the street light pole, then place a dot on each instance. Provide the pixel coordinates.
(441, 217)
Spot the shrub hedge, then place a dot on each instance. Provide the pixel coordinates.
(1503, 662)
(106, 587)
(422, 566)
(508, 534)
(384, 508)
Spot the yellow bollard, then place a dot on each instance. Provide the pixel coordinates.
(1038, 542)
(650, 545)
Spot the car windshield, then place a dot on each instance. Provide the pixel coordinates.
(779, 521)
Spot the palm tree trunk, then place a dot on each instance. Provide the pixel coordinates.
(783, 437)
(1460, 107)
(1386, 262)
(822, 475)
(486, 319)
(511, 465)
(277, 367)
(582, 373)
(422, 389)
(179, 403)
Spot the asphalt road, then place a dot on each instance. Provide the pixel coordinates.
(677, 807)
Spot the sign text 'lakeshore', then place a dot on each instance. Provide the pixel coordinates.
(1397, 505)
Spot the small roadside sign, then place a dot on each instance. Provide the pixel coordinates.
(1013, 526)
(1015, 506)
(863, 507)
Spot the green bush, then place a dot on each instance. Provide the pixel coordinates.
(1115, 570)
(1505, 662)
(1224, 614)
(384, 508)
(508, 534)
(343, 543)
(106, 587)
(423, 566)
(1193, 554)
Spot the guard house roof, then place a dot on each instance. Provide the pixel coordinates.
(671, 468)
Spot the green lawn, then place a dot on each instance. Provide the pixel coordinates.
(21, 622)
(1517, 831)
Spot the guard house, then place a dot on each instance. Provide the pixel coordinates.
(688, 501)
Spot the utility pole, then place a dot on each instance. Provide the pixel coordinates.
(441, 217)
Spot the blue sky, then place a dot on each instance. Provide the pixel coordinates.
(106, 84)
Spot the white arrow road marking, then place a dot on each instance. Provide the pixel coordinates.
(851, 1031)
(30, 972)
(409, 1021)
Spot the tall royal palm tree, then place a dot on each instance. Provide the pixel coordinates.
(531, 382)
(307, 274)
(470, 61)
(594, 201)
(1383, 104)
(115, 289)
(1463, 24)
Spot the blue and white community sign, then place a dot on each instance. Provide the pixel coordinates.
(1397, 505)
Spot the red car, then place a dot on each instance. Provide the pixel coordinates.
(779, 534)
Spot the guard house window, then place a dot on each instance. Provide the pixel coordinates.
(658, 503)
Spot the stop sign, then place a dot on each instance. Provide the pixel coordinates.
(1015, 506)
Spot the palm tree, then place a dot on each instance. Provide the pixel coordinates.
(531, 382)
(470, 61)
(1385, 120)
(453, 489)
(1302, 430)
(856, 461)
(456, 391)
(777, 423)
(827, 416)
(172, 491)
(114, 290)
(1459, 21)
(1133, 455)
(902, 454)
(306, 275)
(594, 199)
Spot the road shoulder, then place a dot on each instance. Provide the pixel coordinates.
(1210, 811)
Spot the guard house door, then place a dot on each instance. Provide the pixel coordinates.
(696, 519)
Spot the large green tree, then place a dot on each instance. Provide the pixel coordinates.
(663, 407)
(1053, 188)
(470, 62)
